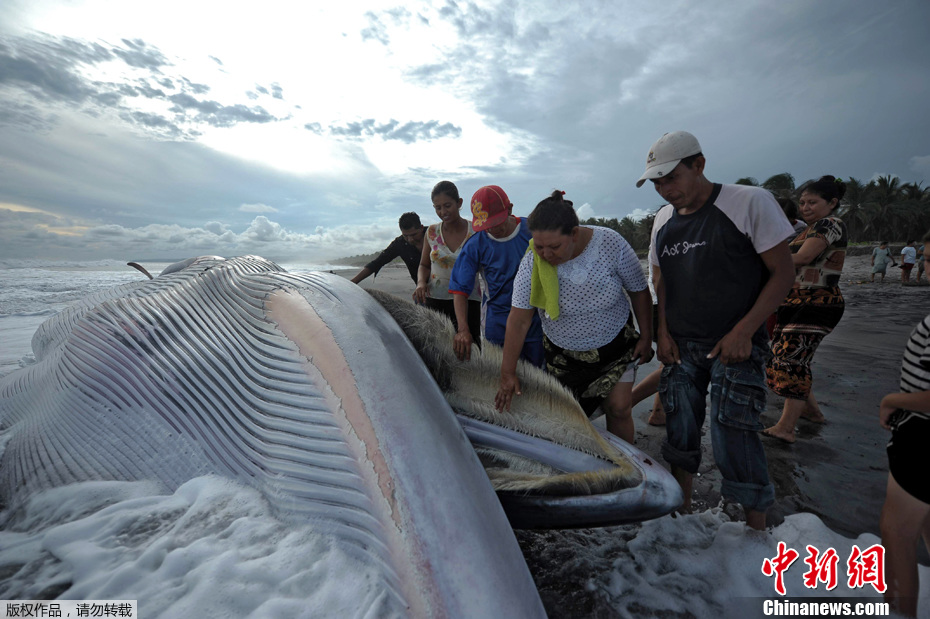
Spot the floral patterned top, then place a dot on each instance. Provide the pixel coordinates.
(441, 260)
(824, 270)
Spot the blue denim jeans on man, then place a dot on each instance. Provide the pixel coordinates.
(737, 399)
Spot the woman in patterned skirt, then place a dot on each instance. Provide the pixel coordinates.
(576, 277)
(812, 308)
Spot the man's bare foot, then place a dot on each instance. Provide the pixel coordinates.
(775, 433)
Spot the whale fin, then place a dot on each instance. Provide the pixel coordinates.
(138, 266)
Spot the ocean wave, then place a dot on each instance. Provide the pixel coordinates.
(43, 312)
(39, 263)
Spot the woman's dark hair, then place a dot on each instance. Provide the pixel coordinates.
(445, 187)
(827, 187)
(789, 207)
(553, 213)
(409, 221)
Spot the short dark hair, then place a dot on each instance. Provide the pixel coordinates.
(553, 213)
(926, 237)
(445, 187)
(789, 207)
(409, 221)
(827, 187)
(690, 159)
(883, 243)
(911, 241)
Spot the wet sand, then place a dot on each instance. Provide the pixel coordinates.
(837, 470)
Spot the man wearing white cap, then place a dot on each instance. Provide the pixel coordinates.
(721, 266)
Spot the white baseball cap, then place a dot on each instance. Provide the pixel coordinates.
(667, 152)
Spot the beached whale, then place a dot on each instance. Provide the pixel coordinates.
(300, 385)
(305, 387)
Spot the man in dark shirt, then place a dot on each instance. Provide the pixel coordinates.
(408, 246)
(721, 265)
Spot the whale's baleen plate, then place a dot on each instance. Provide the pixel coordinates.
(550, 466)
(298, 384)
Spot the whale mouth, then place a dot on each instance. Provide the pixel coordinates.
(545, 485)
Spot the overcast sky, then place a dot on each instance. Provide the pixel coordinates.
(168, 129)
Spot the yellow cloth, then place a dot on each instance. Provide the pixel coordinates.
(544, 285)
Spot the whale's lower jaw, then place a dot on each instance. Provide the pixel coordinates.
(551, 467)
(298, 384)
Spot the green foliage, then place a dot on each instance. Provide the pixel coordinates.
(882, 209)
(636, 232)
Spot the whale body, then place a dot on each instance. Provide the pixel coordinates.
(300, 385)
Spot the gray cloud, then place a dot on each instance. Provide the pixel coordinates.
(578, 93)
(46, 69)
(89, 173)
(216, 114)
(33, 235)
(275, 91)
(26, 115)
(155, 122)
(408, 132)
(766, 87)
(138, 54)
(50, 70)
(376, 30)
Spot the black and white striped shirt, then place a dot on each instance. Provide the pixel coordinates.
(915, 368)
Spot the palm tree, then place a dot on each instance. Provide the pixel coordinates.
(858, 210)
(886, 194)
(781, 185)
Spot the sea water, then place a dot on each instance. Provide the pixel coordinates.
(213, 548)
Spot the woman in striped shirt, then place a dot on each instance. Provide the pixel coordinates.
(906, 513)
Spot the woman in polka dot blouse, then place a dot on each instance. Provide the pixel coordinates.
(578, 289)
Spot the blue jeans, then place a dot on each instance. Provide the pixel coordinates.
(737, 399)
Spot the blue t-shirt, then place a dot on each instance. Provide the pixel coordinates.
(498, 261)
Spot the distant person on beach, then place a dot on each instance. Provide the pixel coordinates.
(908, 260)
(921, 260)
(722, 265)
(408, 247)
(906, 514)
(813, 307)
(495, 252)
(443, 245)
(881, 256)
(574, 277)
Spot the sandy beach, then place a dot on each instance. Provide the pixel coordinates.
(837, 470)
